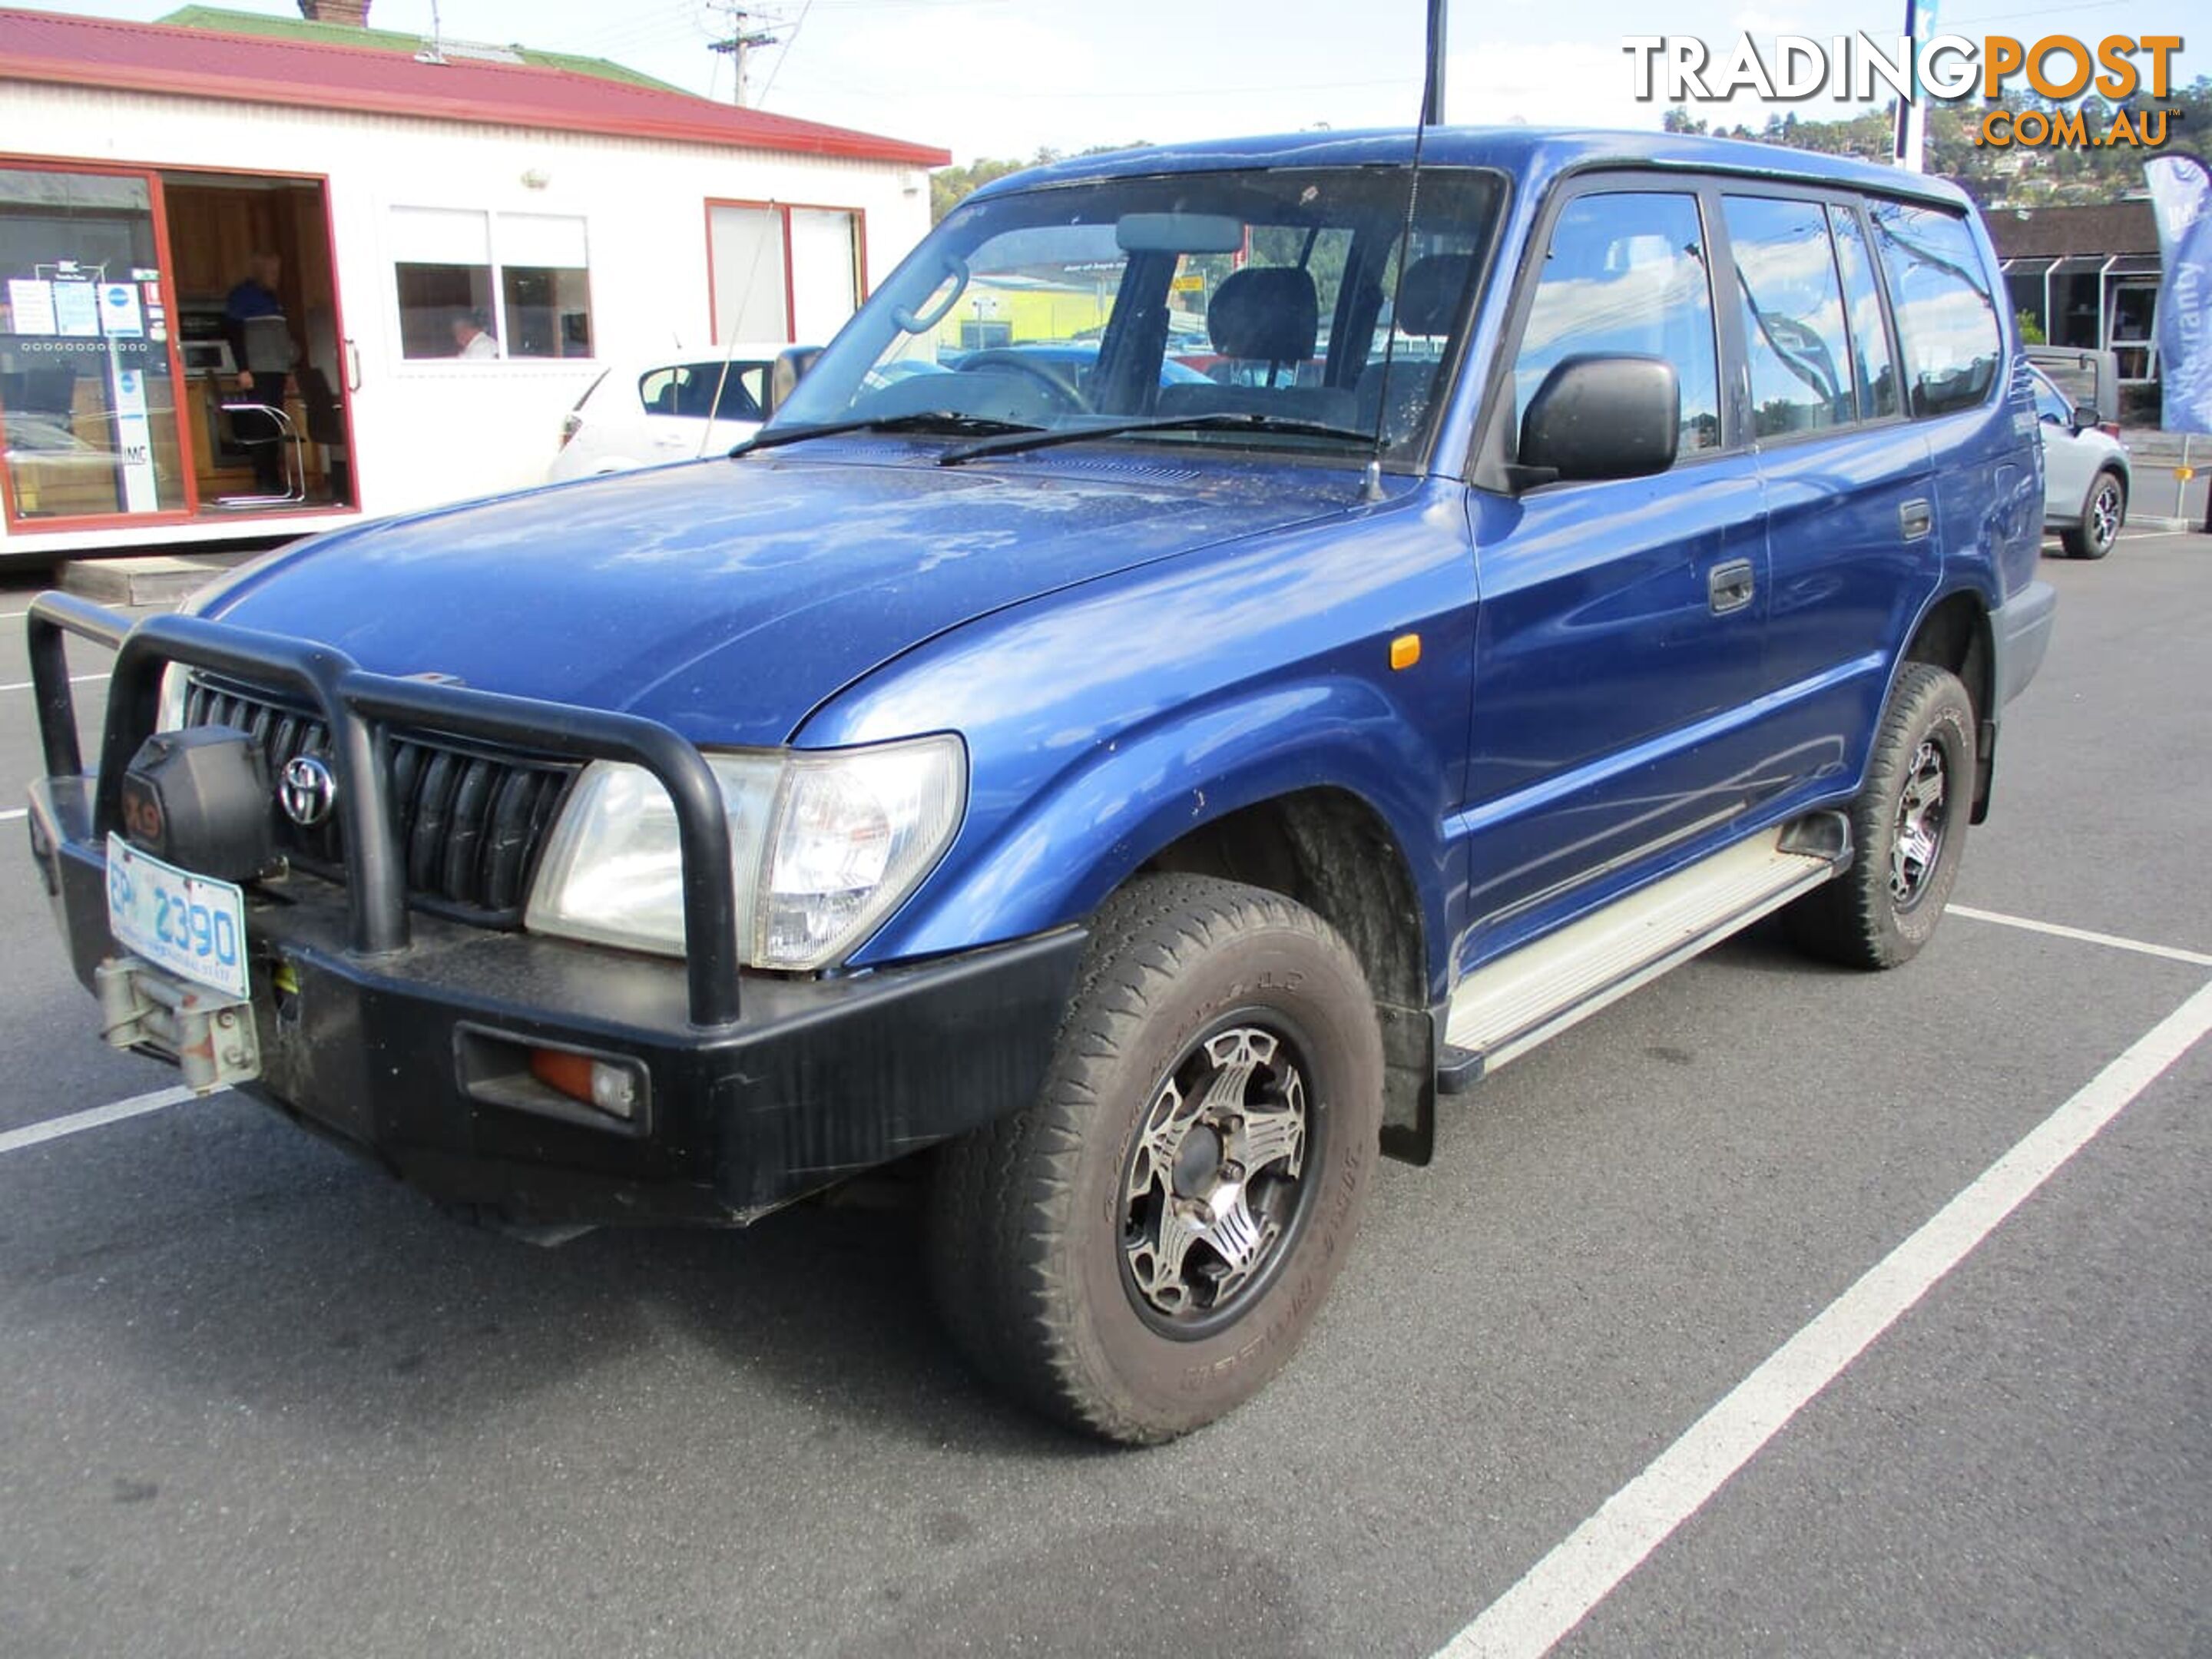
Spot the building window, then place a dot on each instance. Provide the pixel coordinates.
(783, 273)
(545, 285)
(481, 286)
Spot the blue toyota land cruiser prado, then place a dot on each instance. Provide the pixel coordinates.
(1149, 791)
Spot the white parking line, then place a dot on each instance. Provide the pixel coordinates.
(75, 679)
(14, 812)
(2171, 953)
(55, 1127)
(1582, 1570)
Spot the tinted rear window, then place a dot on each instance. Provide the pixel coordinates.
(1940, 295)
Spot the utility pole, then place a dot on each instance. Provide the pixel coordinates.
(740, 40)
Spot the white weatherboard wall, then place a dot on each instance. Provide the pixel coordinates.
(429, 431)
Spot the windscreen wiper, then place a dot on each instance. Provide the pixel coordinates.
(1219, 420)
(945, 421)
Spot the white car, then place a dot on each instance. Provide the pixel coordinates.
(650, 413)
(2084, 473)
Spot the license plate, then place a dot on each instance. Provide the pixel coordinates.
(193, 926)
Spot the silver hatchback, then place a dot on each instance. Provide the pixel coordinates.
(2084, 473)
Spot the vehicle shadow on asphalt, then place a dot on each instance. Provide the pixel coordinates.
(230, 1262)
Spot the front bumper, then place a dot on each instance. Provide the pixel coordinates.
(378, 1042)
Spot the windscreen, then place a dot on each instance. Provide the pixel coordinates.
(1271, 292)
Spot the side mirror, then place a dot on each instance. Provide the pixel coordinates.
(791, 363)
(1601, 417)
(2085, 416)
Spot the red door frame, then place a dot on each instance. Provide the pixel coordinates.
(157, 200)
(157, 206)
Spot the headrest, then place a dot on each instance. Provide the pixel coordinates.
(1266, 313)
(1428, 299)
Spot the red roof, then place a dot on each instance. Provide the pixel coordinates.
(189, 63)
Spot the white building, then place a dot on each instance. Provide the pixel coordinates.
(577, 220)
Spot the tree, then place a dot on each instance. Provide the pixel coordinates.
(2008, 175)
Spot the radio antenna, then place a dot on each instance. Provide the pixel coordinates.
(1432, 112)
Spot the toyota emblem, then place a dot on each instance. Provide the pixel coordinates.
(307, 791)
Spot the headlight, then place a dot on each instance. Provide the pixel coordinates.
(855, 831)
(613, 872)
(823, 846)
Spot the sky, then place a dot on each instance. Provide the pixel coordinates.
(1005, 77)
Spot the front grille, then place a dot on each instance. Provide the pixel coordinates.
(470, 820)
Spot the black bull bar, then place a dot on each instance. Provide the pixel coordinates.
(359, 709)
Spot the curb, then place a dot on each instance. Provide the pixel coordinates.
(159, 579)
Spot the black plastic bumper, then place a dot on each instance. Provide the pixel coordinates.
(373, 1021)
(819, 1080)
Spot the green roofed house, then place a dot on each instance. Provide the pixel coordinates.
(345, 23)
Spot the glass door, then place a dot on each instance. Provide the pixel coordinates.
(87, 374)
(2132, 332)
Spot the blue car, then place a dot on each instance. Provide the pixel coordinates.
(1146, 794)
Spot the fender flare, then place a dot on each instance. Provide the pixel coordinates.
(1071, 843)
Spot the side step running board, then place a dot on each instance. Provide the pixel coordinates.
(1506, 1008)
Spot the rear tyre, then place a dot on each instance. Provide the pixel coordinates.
(1141, 1250)
(2102, 515)
(1908, 830)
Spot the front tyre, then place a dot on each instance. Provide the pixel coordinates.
(1908, 829)
(1141, 1250)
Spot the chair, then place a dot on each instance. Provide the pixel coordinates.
(1428, 303)
(281, 432)
(1263, 314)
(267, 344)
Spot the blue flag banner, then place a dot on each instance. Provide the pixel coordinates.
(2181, 197)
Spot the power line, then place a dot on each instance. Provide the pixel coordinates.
(783, 57)
(740, 40)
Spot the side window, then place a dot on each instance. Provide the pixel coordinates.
(738, 401)
(687, 390)
(1793, 316)
(1940, 295)
(1625, 275)
(1870, 348)
(656, 392)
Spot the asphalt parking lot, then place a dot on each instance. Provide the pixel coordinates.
(1663, 1353)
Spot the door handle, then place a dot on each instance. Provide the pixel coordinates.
(1916, 519)
(1729, 586)
(353, 367)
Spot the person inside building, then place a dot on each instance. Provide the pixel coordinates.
(253, 318)
(470, 338)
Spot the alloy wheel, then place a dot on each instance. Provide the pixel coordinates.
(1922, 814)
(1213, 1185)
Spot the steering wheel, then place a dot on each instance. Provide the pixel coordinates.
(1057, 379)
